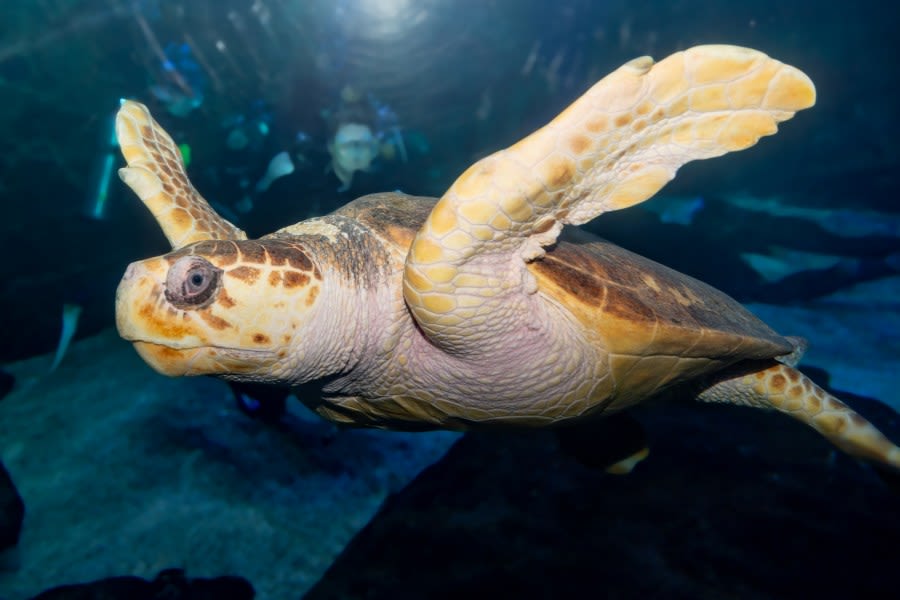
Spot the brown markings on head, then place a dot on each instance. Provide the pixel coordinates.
(276, 254)
(248, 275)
(311, 296)
(793, 375)
(284, 253)
(794, 392)
(260, 338)
(295, 279)
(657, 115)
(222, 252)
(639, 125)
(213, 321)
(274, 278)
(224, 299)
(166, 328)
(252, 252)
(622, 120)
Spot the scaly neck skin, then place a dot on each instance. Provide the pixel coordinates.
(340, 333)
(333, 342)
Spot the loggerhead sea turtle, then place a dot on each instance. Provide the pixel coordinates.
(469, 311)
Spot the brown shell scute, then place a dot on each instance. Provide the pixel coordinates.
(641, 308)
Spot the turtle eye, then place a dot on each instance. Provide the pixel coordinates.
(191, 282)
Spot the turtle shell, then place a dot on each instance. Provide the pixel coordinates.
(657, 325)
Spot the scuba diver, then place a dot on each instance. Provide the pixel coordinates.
(361, 130)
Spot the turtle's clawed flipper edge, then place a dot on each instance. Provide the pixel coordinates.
(777, 386)
(156, 173)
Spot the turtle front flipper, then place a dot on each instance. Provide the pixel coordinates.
(773, 385)
(156, 173)
(612, 148)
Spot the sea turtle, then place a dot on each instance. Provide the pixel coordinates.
(471, 311)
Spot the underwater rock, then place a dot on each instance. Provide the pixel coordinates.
(729, 503)
(171, 584)
(12, 511)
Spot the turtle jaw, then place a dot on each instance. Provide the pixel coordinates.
(165, 360)
(202, 360)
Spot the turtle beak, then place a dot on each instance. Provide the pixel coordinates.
(173, 362)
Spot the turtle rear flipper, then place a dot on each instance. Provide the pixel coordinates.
(773, 385)
(156, 173)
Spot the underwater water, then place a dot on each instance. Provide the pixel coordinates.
(284, 110)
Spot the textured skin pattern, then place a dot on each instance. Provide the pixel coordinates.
(615, 146)
(156, 173)
(787, 390)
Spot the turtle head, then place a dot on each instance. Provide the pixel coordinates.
(238, 308)
(220, 304)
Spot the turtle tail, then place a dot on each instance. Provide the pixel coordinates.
(774, 385)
